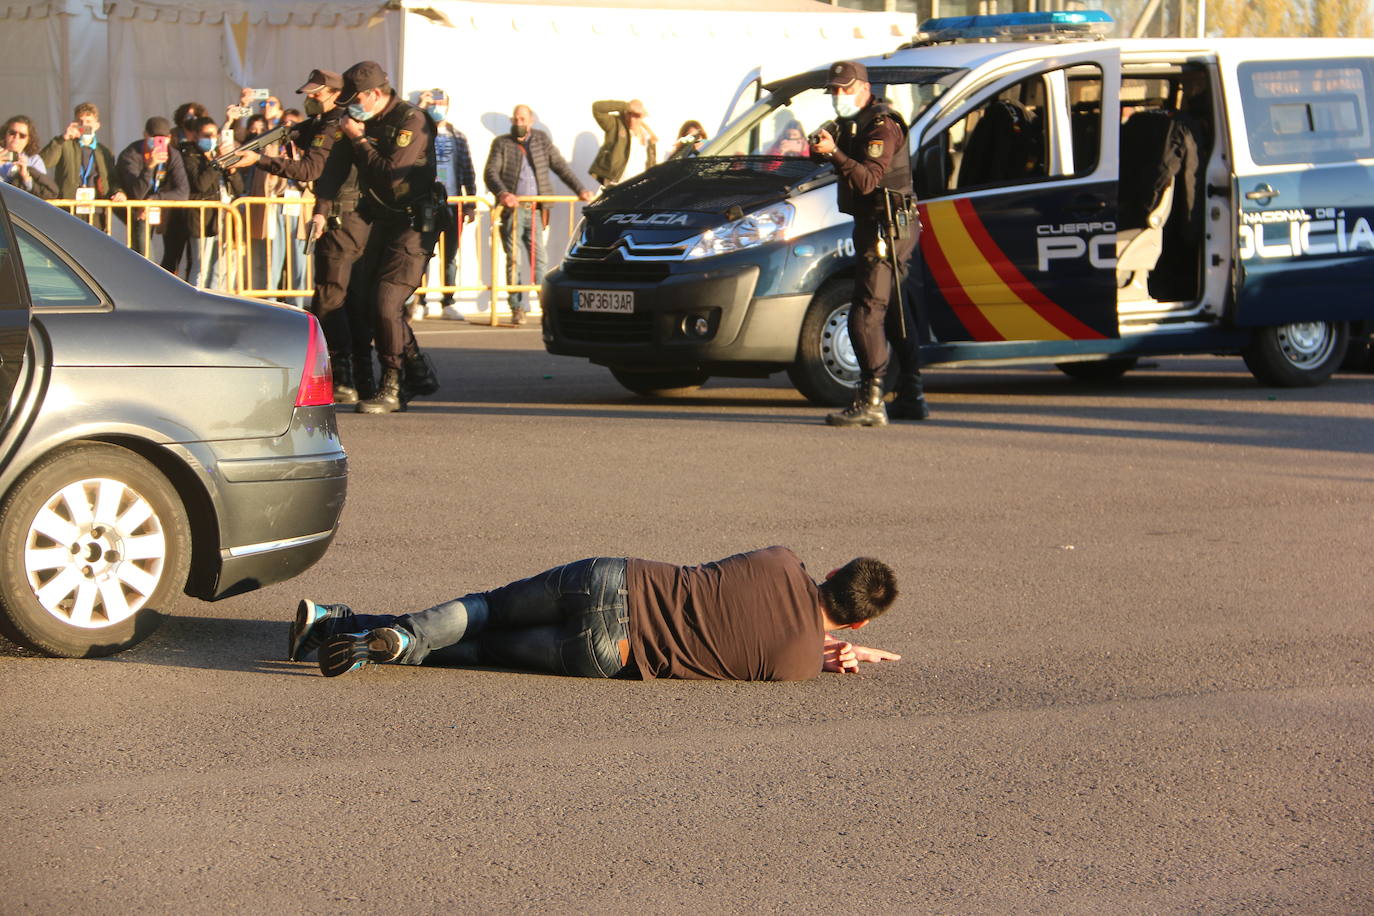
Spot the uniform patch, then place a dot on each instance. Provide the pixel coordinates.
(403, 138)
(875, 149)
(318, 141)
(338, 135)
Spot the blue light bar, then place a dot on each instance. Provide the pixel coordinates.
(1060, 24)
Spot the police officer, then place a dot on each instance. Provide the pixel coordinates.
(391, 143)
(341, 234)
(872, 157)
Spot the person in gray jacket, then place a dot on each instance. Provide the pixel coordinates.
(518, 166)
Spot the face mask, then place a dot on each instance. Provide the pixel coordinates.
(358, 113)
(437, 113)
(88, 139)
(314, 107)
(206, 144)
(845, 106)
(519, 131)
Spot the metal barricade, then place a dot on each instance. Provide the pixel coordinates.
(494, 259)
(260, 240)
(274, 263)
(139, 223)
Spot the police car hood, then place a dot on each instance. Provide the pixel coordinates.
(684, 197)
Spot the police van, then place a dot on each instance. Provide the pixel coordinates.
(1084, 202)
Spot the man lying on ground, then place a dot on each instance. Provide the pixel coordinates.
(755, 616)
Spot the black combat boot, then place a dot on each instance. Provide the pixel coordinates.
(388, 399)
(419, 376)
(910, 403)
(344, 392)
(867, 409)
(364, 380)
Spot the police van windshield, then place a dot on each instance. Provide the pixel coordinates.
(779, 123)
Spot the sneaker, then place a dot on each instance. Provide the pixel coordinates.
(517, 317)
(351, 651)
(453, 313)
(417, 312)
(433, 310)
(306, 631)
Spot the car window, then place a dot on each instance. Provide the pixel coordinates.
(1307, 111)
(1006, 140)
(51, 282)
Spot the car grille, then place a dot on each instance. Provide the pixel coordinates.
(616, 271)
(593, 327)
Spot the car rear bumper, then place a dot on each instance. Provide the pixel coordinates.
(280, 507)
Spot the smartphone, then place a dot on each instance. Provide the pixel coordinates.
(239, 111)
(438, 96)
(157, 144)
(259, 95)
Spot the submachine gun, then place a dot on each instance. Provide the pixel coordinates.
(257, 144)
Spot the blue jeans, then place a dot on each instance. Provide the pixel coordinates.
(571, 620)
(518, 237)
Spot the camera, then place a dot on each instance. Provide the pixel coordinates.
(829, 127)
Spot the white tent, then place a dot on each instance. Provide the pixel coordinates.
(137, 58)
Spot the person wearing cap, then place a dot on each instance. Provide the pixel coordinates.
(872, 157)
(151, 169)
(340, 233)
(391, 143)
(628, 146)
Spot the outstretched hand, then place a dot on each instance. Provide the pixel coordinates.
(840, 656)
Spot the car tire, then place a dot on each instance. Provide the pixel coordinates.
(660, 384)
(1098, 370)
(827, 369)
(1296, 355)
(95, 547)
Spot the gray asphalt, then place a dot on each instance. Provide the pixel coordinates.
(1137, 678)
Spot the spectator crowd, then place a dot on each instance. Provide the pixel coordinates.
(174, 159)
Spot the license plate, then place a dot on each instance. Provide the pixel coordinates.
(621, 301)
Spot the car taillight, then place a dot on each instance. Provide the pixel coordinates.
(317, 382)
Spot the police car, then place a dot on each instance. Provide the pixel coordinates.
(1084, 202)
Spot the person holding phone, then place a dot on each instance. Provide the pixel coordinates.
(80, 165)
(20, 164)
(151, 169)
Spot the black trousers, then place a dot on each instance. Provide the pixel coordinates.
(342, 286)
(872, 323)
(400, 259)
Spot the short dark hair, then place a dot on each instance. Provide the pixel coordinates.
(859, 590)
(199, 124)
(30, 148)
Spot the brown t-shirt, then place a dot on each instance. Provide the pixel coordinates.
(752, 617)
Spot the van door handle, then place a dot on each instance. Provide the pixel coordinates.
(1264, 193)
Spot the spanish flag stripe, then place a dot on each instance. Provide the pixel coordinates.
(1062, 321)
(964, 310)
(985, 288)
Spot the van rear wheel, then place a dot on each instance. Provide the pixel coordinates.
(660, 384)
(1297, 355)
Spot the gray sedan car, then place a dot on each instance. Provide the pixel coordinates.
(157, 439)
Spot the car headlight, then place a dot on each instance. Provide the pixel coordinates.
(579, 236)
(758, 228)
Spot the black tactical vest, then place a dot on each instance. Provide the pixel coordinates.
(898, 175)
(419, 182)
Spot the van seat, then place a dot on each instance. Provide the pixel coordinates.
(1151, 154)
(1003, 146)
